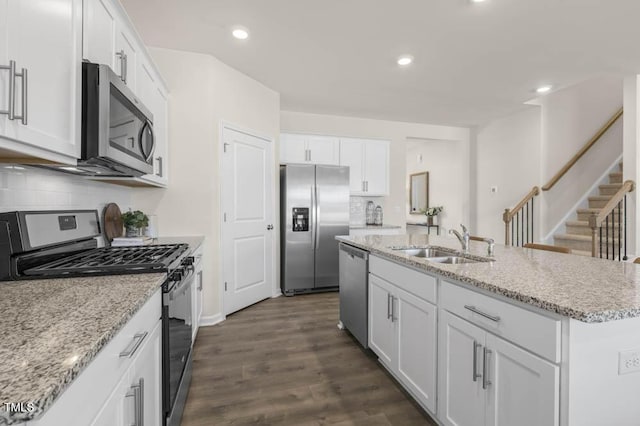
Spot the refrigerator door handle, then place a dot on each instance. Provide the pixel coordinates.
(312, 214)
(317, 219)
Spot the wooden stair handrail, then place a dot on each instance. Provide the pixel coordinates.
(510, 213)
(582, 151)
(596, 219)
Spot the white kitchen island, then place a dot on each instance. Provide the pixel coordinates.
(527, 338)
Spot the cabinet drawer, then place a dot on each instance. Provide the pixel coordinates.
(533, 331)
(89, 391)
(420, 284)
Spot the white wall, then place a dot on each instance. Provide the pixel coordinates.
(31, 188)
(394, 131)
(508, 155)
(203, 93)
(527, 148)
(570, 117)
(447, 164)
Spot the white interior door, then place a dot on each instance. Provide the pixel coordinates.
(247, 227)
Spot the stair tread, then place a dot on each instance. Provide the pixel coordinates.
(611, 185)
(576, 237)
(583, 223)
(600, 197)
(581, 253)
(589, 210)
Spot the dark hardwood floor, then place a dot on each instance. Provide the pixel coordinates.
(284, 362)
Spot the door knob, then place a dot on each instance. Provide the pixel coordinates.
(269, 227)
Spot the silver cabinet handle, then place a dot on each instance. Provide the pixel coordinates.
(138, 402)
(485, 368)
(126, 68)
(25, 96)
(11, 101)
(389, 306)
(200, 280)
(366, 186)
(310, 155)
(476, 346)
(363, 186)
(479, 312)
(393, 309)
(160, 172)
(134, 345)
(123, 69)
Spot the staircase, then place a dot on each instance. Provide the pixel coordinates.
(578, 231)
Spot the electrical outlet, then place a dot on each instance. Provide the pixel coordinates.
(629, 361)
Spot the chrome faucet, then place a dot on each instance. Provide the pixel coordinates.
(491, 243)
(464, 238)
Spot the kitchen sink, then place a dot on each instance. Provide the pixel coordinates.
(425, 252)
(453, 260)
(440, 255)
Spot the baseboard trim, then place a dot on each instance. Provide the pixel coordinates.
(209, 320)
(278, 294)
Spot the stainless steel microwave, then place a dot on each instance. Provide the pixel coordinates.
(117, 129)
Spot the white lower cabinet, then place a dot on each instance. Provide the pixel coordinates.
(122, 386)
(402, 332)
(485, 380)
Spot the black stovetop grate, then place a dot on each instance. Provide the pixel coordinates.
(113, 260)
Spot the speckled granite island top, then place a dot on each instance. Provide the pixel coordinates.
(584, 288)
(52, 329)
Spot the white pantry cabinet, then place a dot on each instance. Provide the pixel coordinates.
(485, 380)
(311, 149)
(41, 62)
(368, 161)
(402, 332)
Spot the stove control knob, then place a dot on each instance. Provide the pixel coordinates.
(188, 261)
(177, 275)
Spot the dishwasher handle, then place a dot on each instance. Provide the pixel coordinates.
(354, 252)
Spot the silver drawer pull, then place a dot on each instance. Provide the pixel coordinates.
(133, 347)
(138, 401)
(479, 312)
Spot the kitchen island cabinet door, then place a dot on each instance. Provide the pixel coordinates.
(417, 337)
(461, 400)
(524, 388)
(382, 333)
(45, 43)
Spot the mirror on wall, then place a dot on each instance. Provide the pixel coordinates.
(419, 192)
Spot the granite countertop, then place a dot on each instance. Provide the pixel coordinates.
(584, 288)
(52, 329)
(374, 227)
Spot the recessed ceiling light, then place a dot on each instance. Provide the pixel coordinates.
(240, 33)
(543, 89)
(477, 1)
(405, 60)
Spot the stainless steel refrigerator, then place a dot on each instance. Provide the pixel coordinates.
(314, 208)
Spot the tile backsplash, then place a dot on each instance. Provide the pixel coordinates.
(31, 188)
(358, 207)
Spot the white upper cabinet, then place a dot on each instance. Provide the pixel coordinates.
(43, 46)
(368, 161)
(153, 95)
(109, 38)
(311, 149)
(99, 32)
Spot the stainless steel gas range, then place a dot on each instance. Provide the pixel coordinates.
(54, 244)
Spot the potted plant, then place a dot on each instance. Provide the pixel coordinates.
(431, 212)
(134, 222)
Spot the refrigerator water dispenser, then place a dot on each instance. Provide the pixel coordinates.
(300, 219)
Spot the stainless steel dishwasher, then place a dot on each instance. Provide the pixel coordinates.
(354, 293)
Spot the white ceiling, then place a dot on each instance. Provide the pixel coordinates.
(473, 61)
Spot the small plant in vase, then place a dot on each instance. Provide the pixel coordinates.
(134, 222)
(431, 212)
